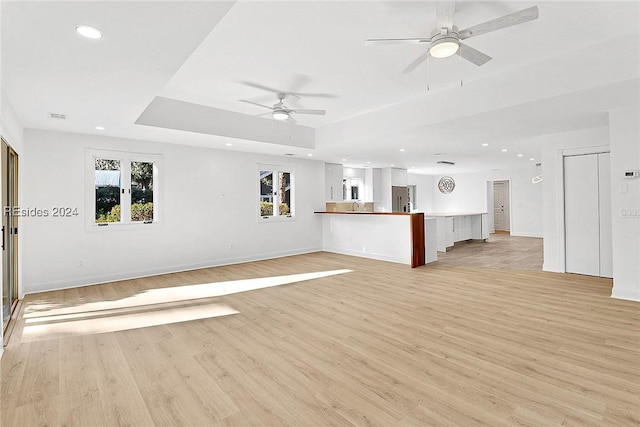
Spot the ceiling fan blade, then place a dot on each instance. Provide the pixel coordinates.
(255, 103)
(419, 60)
(417, 40)
(258, 86)
(472, 55)
(317, 112)
(515, 18)
(313, 95)
(444, 13)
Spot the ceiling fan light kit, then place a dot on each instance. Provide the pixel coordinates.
(444, 47)
(280, 115)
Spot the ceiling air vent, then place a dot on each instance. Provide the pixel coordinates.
(58, 116)
(444, 162)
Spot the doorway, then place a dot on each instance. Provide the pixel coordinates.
(9, 179)
(501, 216)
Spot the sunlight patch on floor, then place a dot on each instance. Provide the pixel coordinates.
(179, 293)
(104, 324)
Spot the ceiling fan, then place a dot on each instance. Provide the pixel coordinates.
(280, 111)
(446, 39)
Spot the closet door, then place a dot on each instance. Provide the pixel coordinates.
(582, 215)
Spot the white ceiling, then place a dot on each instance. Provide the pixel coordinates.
(558, 73)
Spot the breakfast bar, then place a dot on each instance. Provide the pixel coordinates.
(388, 236)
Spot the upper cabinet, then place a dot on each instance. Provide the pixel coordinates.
(399, 177)
(333, 181)
(376, 184)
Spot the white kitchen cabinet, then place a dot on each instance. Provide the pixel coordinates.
(480, 227)
(376, 184)
(333, 182)
(450, 231)
(399, 177)
(461, 228)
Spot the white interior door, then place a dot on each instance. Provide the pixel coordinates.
(501, 205)
(582, 207)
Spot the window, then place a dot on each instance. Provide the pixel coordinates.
(275, 189)
(123, 188)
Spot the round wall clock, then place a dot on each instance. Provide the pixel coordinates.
(446, 185)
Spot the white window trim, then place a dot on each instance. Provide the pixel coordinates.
(276, 218)
(125, 159)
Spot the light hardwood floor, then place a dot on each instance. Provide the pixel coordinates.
(380, 345)
(503, 252)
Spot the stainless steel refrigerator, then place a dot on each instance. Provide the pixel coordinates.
(400, 199)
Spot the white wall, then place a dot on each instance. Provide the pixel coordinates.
(424, 191)
(624, 132)
(471, 194)
(209, 213)
(10, 126)
(552, 187)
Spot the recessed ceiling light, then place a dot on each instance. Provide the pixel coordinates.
(344, 160)
(228, 144)
(89, 32)
(519, 155)
(531, 158)
(392, 165)
(413, 167)
(402, 149)
(485, 145)
(504, 150)
(99, 128)
(309, 154)
(368, 163)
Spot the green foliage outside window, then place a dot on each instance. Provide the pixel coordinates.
(139, 212)
(266, 209)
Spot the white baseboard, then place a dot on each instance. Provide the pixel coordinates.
(625, 294)
(379, 257)
(525, 234)
(96, 280)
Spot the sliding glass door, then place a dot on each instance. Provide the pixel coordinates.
(9, 179)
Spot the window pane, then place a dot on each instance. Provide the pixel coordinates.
(285, 193)
(266, 193)
(142, 191)
(108, 184)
